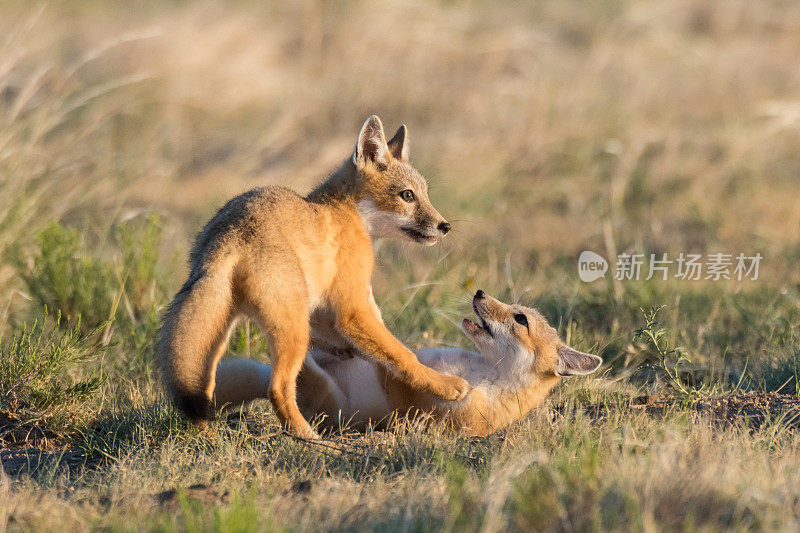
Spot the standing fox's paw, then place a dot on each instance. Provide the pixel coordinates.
(303, 431)
(308, 435)
(451, 388)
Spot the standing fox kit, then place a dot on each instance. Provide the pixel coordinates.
(301, 268)
(521, 359)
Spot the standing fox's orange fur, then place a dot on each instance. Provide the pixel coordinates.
(301, 267)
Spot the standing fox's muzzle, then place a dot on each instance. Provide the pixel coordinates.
(425, 234)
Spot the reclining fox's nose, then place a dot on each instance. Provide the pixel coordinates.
(444, 227)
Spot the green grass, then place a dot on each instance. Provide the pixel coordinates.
(558, 469)
(46, 372)
(563, 474)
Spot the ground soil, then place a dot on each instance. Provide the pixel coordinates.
(27, 446)
(750, 409)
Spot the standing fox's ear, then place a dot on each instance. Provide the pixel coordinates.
(371, 144)
(571, 362)
(398, 145)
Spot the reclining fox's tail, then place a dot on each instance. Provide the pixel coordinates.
(193, 337)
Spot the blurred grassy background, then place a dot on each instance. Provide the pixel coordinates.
(676, 123)
(545, 128)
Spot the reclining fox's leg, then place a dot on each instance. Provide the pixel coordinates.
(240, 380)
(319, 394)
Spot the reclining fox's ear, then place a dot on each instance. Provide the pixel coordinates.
(398, 145)
(571, 362)
(371, 145)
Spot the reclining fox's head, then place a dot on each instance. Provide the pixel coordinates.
(519, 341)
(393, 196)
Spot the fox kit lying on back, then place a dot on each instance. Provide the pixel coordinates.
(521, 359)
(301, 267)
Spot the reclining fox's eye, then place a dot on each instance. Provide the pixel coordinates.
(407, 195)
(521, 319)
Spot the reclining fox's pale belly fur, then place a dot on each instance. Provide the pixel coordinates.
(372, 396)
(521, 360)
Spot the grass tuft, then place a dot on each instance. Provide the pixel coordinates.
(45, 373)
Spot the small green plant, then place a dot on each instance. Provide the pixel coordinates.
(140, 244)
(124, 286)
(62, 276)
(42, 369)
(659, 356)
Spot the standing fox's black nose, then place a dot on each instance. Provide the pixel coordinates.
(444, 227)
(480, 294)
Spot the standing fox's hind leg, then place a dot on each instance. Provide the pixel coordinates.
(289, 347)
(285, 320)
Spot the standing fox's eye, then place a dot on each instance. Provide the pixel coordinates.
(521, 319)
(407, 195)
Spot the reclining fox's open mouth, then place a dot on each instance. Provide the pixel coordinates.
(474, 328)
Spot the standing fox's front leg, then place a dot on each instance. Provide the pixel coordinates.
(359, 320)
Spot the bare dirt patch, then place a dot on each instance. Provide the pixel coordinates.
(18, 462)
(27, 446)
(206, 494)
(21, 434)
(751, 409)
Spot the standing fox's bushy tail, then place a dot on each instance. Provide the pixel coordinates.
(193, 337)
